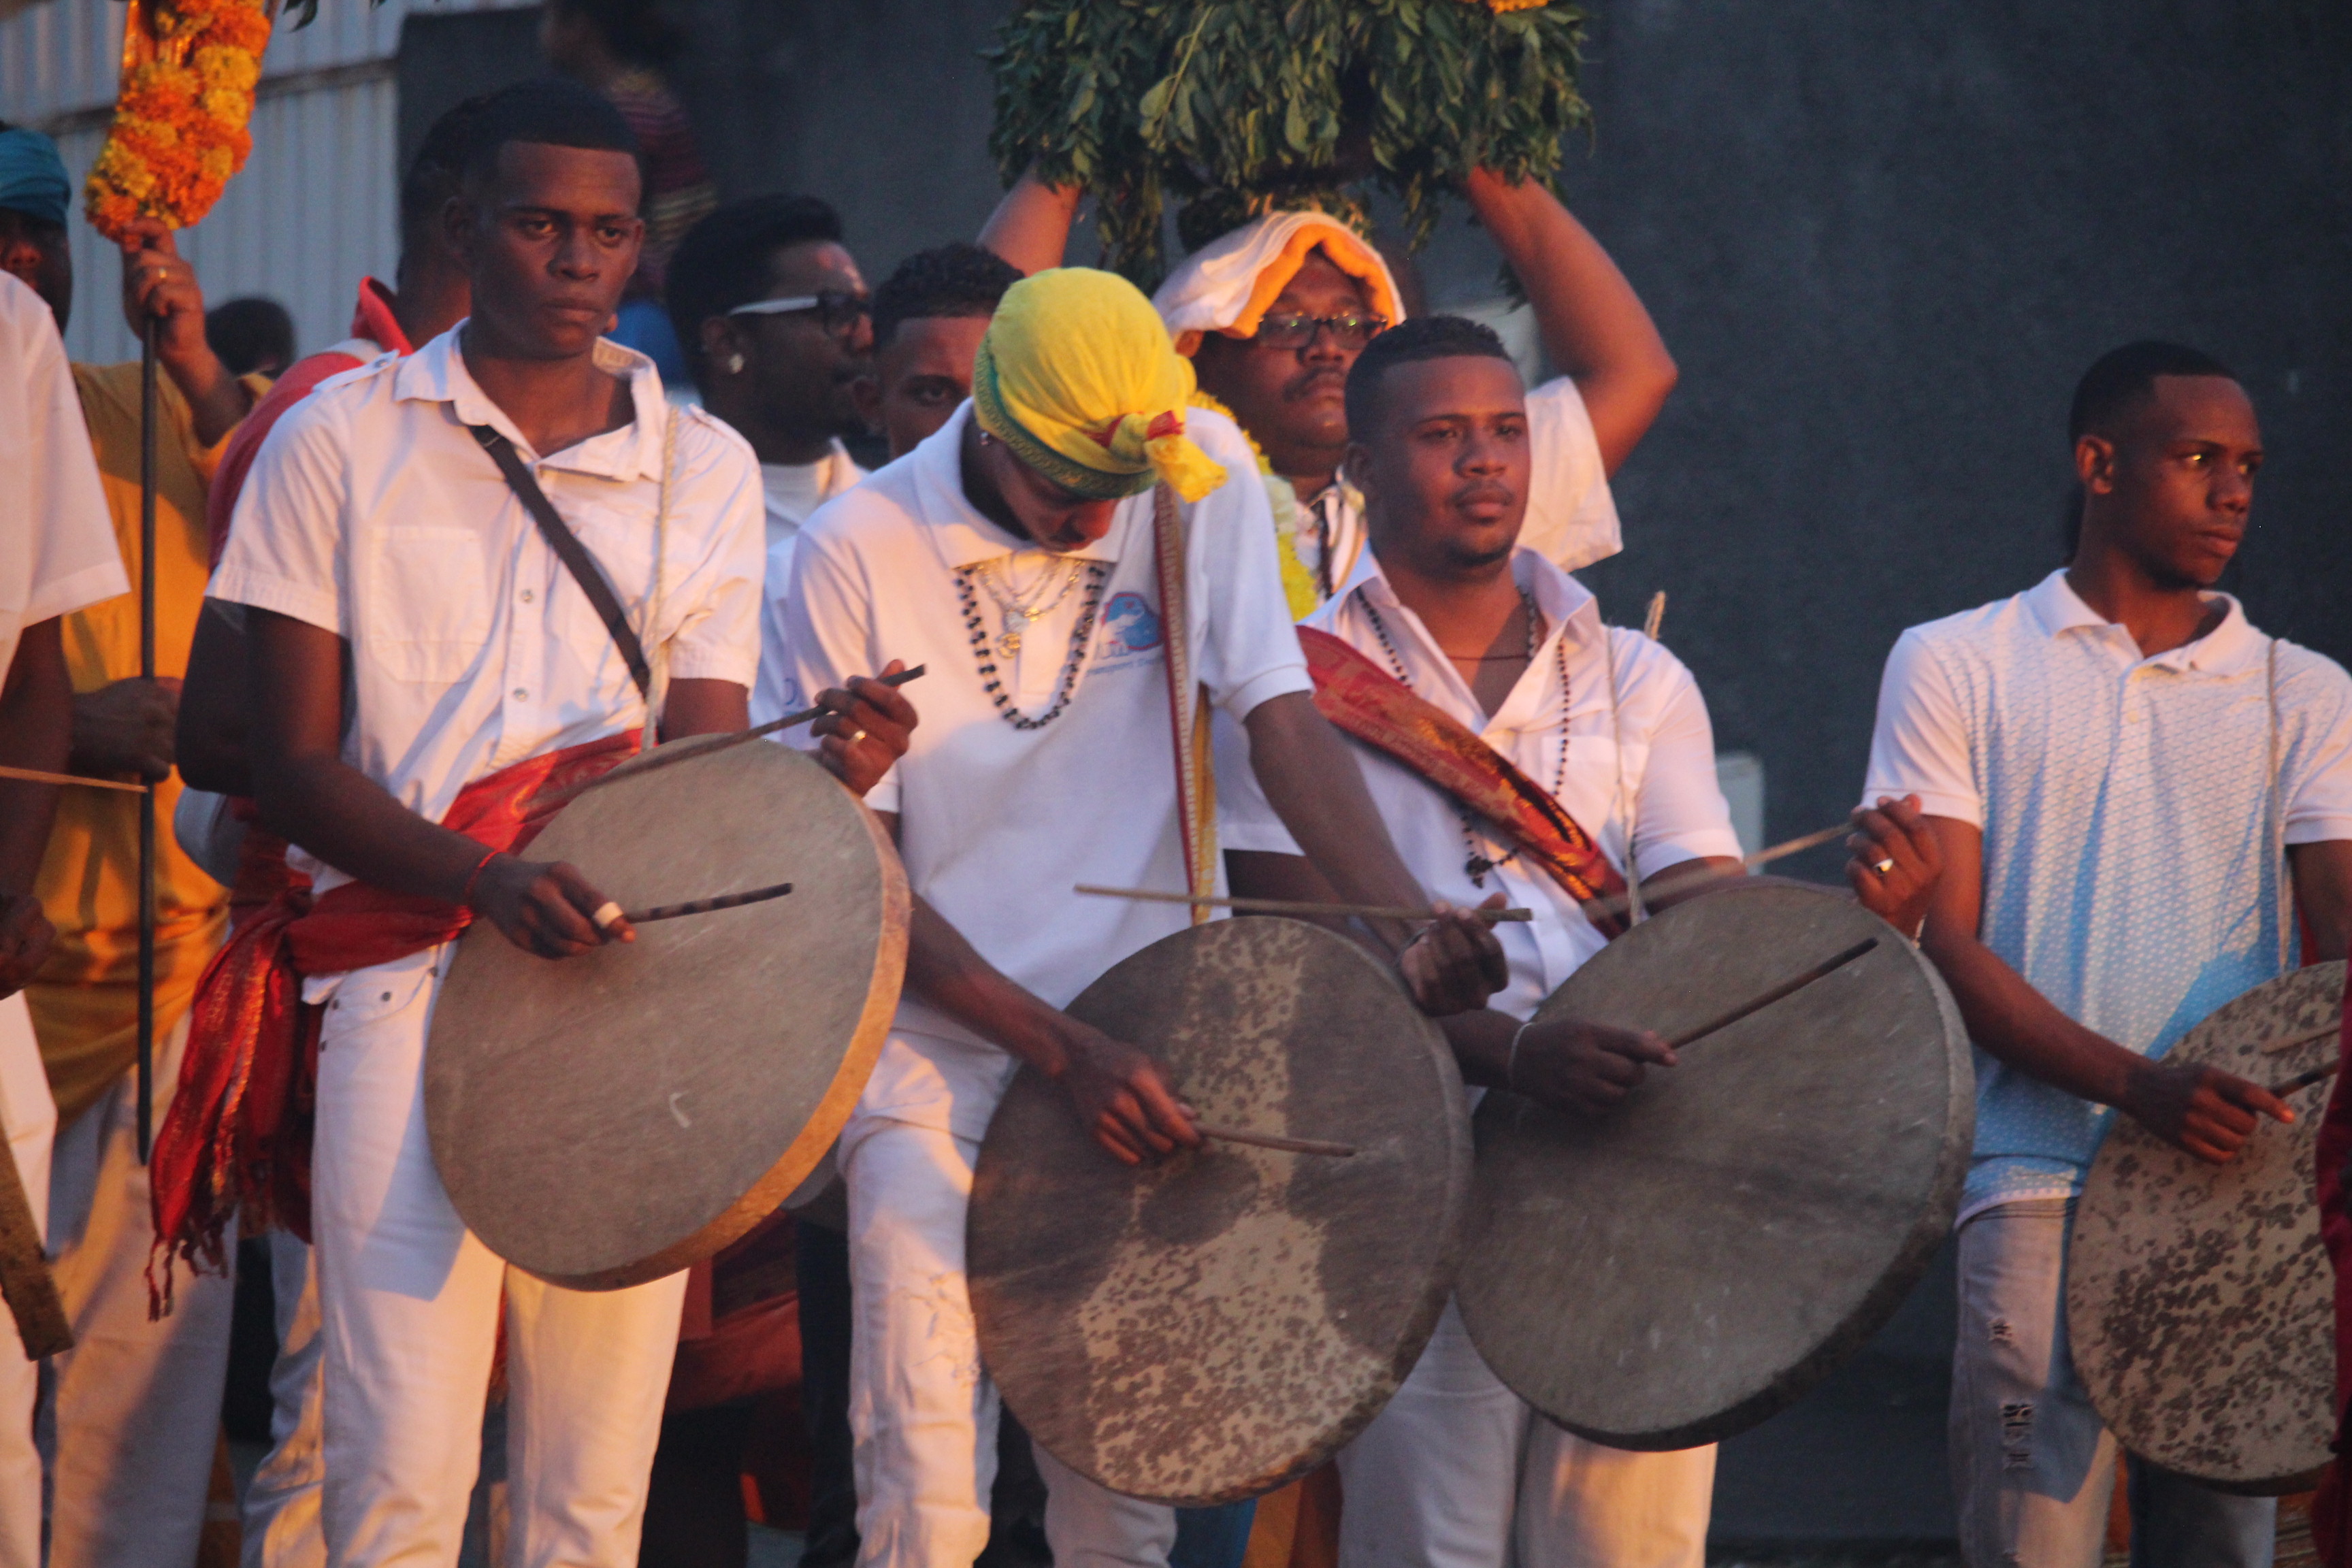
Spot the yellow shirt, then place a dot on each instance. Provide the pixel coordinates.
(85, 1001)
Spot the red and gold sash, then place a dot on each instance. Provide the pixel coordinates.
(1380, 711)
(236, 1139)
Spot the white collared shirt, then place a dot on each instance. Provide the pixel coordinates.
(373, 513)
(1667, 799)
(997, 825)
(56, 538)
(793, 492)
(2131, 867)
(1571, 518)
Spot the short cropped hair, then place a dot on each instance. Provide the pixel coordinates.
(950, 280)
(552, 110)
(722, 262)
(1410, 341)
(249, 334)
(439, 166)
(2123, 377)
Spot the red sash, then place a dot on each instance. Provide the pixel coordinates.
(236, 1139)
(1382, 711)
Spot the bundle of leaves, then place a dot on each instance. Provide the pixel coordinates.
(1245, 106)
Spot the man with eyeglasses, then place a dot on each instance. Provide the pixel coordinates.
(1274, 312)
(773, 315)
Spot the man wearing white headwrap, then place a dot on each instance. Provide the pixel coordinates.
(1273, 313)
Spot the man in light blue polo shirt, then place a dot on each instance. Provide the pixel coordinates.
(2122, 855)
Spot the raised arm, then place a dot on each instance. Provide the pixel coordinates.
(1593, 324)
(158, 284)
(1030, 227)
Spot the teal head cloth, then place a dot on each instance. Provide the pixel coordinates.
(31, 175)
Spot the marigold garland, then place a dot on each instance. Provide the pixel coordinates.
(189, 70)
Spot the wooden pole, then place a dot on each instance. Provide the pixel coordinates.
(147, 397)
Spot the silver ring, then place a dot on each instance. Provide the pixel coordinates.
(1883, 867)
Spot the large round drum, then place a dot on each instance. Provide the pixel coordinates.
(606, 1119)
(1693, 1263)
(2199, 1298)
(1210, 1326)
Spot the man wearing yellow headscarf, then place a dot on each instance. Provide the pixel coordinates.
(1073, 536)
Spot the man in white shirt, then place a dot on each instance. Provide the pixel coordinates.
(1457, 1471)
(2133, 789)
(1013, 553)
(1274, 312)
(57, 555)
(773, 315)
(377, 536)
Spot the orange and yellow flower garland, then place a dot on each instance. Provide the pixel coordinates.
(189, 69)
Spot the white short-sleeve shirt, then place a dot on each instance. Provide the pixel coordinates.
(372, 512)
(1571, 741)
(57, 539)
(2127, 805)
(793, 491)
(998, 823)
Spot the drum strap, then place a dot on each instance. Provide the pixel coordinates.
(1188, 714)
(572, 552)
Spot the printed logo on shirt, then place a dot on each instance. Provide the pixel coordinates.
(1132, 632)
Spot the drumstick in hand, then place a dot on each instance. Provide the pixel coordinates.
(609, 911)
(681, 752)
(1787, 987)
(1269, 1141)
(1297, 907)
(2281, 1090)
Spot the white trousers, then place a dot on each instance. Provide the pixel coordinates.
(922, 1410)
(131, 1414)
(281, 1503)
(28, 1120)
(408, 1304)
(1457, 1472)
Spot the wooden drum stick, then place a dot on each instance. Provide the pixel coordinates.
(1267, 1141)
(1787, 987)
(611, 911)
(712, 745)
(1297, 907)
(1789, 847)
(2304, 1079)
(35, 776)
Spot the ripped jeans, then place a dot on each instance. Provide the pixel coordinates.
(2033, 1468)
(922, 1409)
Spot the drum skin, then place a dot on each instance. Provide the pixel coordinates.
(606, 1119)
(1693, 1263)
(2199, 1298)
(1213, 1325)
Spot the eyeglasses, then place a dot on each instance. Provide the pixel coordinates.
(835, 312)
(1295, 332)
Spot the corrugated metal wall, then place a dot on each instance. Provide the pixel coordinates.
(314, 208)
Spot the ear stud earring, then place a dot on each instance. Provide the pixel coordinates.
(734, 365)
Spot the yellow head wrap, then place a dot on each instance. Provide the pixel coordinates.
(1077, 376)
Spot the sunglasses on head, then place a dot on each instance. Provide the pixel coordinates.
(1292, 331)
(836, 311)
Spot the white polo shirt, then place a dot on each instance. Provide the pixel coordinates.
(1571, 518)
(2130, 873)
(373, 513)
(1669, 802)
(56, 538)
(793, 492)
(998, 823)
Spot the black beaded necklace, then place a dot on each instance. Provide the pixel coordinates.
(1098, 574)
(1476, 863)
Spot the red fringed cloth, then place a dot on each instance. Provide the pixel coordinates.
(1380, 711)
(236, 1139)
(2331, 1511)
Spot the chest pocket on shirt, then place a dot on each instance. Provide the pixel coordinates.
(429, 599)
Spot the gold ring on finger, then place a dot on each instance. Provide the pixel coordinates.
(1883, 867)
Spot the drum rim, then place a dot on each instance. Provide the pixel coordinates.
(1907, 1265)
(2281, 1485)
(832, 1108)
(1420, 1325)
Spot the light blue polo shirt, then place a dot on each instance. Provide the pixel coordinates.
(2133, 871)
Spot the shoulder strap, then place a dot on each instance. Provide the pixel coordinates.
(572, 552)
(1188, 716)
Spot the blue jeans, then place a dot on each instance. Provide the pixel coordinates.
(1212, 1537)
(2033, 1468)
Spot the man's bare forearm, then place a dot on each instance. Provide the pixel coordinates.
(945, 970)
(353, 824)
(1594, 326)
(2015, 1023)
(35, 733)
(1311, 780)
